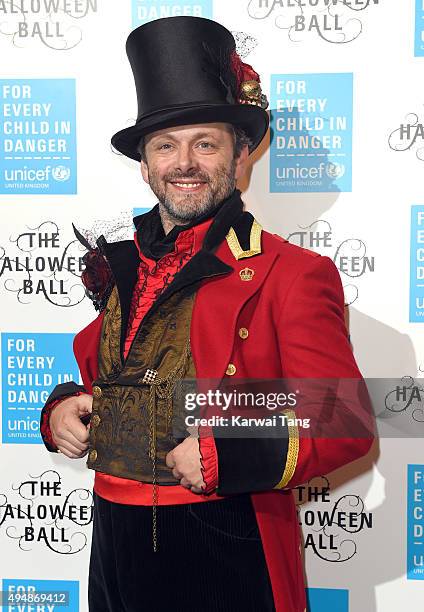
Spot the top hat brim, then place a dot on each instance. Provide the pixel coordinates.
(254, 120)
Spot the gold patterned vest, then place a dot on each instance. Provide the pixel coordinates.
(134, 416)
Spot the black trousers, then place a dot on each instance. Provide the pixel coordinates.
(209, 558)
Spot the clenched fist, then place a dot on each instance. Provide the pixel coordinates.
(186, 464)
(68, 433)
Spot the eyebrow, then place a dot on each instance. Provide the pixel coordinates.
(196, 137)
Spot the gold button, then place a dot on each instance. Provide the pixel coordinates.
(243, 332)
(95, 420)
(231, 369)
(97, 392)
(93, 455)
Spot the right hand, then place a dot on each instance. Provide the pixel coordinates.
(68, 432)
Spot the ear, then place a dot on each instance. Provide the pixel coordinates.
(144, 171)
(241, 162)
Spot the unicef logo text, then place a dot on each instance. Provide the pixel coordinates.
(332, 170)
(33, 175)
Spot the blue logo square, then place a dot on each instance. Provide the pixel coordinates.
(311, 132)
(30, 595)
(32, 364)
(415, 523)
(323, 600)
(149, 10)
(416, 273)
(419, 28)
(38, 136)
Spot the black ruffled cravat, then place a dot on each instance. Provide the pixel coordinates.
(151, 236)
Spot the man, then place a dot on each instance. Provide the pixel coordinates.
(200, 522)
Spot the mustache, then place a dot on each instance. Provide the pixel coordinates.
(175, 176)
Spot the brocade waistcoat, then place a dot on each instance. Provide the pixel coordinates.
(135, 417)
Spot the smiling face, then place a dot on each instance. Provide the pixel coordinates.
(191, 169)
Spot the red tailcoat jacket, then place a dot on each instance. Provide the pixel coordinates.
(273, 310)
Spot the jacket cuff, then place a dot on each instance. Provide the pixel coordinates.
(292, 453)
(65, 390)
(250, 465)
(209, 462)
(45, 430)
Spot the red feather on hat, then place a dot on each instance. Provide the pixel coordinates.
(242, 71)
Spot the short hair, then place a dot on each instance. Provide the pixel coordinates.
(241, 139)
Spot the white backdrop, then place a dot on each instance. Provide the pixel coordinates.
(75, 70)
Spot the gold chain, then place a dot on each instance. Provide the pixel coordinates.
(152, 454)
(162, 388)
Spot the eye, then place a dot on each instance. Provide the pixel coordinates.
(165, 145)
(209, 145)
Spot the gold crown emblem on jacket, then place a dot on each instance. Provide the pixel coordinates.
(246, 274)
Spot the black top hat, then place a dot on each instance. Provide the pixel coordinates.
(187, 71)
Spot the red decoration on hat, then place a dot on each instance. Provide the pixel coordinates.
(243, 72)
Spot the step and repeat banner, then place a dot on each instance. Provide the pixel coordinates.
(341, 174)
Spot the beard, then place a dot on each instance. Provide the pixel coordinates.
(183, 208)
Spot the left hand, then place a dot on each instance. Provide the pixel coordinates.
(185, 462)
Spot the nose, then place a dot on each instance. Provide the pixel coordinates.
(185, 158)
